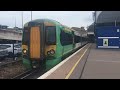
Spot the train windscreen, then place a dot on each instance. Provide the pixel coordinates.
(25, 39)
(50, 35)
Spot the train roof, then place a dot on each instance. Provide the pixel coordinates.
(43, 20)
(49, 20)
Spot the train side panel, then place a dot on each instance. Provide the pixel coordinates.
(52, 61)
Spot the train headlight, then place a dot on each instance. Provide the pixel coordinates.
(48, 53)
(52, 52)
(24, 51)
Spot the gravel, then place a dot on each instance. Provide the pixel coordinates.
(12, 70)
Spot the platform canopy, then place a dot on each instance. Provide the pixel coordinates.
(91, 28)
(111, 17)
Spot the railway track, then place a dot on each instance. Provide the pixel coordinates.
(9, 63)
(24, 75)
(10, 68)
(30, 74)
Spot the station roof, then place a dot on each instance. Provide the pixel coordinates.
(91, 28)
(81, 30)
(108, 16)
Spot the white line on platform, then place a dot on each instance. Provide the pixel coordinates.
(105, 61)
(57, 66)
(0, 62)
(107, 37)
(108, 46)
(71, 71)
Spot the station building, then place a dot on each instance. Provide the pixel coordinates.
(107, 29)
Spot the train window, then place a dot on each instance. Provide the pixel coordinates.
(77, 39)
(50, 35)
(25, 36)
(66, 38)
(83, 39)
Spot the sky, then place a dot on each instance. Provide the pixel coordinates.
(68, 18)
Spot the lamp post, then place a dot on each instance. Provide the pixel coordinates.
(31, 15)
(95, 27)
(15, 22)
(115, 23)
(22, 19)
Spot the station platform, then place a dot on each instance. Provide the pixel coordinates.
(87, 63)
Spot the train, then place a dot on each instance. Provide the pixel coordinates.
(46, 42)
(91, 33)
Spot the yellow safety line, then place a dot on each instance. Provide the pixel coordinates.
(76, 64)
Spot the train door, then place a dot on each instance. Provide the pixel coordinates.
(73, 39)
(35, 43)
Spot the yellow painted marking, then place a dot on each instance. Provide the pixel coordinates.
(49, 24)
(75, 64)
(24, 47)
(35, 42)
(59, 65)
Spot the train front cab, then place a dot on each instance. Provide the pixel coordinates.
(31, 46)
(38, 44)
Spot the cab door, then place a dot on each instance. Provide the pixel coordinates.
(35, 43)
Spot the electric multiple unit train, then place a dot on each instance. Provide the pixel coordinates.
(45, 42)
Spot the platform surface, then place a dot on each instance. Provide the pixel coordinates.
(102, 64)
(89, 63)
(64, 68)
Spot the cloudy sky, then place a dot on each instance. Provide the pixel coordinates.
(69, 18)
